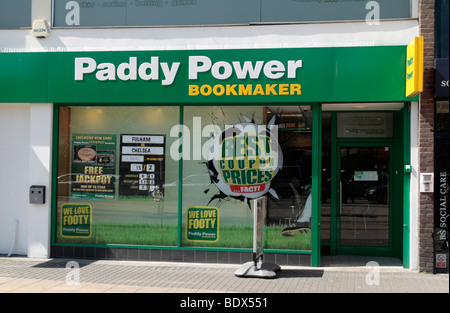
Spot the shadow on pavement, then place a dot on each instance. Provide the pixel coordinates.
(292, 273)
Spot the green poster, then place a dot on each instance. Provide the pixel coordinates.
(202, 224)
(93, 166)
(76, 220)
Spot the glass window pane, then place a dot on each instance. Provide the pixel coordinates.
(154, 12)
(15, 13)
(365, 125)
(233, 156)
(116, 181)
(221, 12)
(320, 10)
(364, 211)
(442, 120)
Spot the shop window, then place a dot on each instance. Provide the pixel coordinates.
(232, 155)
(118, 178)
(442, 120)
(15, 14)
(365, 125)
(116, 181)
(221, 12)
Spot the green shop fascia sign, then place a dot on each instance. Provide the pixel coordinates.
(206, 76)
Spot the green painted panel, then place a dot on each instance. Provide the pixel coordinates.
(206, 76)
(23, 77)
(297, 83)
(370, 74)
(64, 88)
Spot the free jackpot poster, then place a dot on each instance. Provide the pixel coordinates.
(93, 166)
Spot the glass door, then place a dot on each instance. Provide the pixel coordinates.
(364, 195)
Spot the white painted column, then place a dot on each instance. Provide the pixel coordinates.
(39, 166)
(41, 10)
(40, 158)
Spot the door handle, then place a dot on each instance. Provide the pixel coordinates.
(340, 198)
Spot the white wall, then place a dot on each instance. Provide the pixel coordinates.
(25, 160)
(39, 164)
(233, 37)
(14, 143)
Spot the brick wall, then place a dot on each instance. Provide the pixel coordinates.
(426, 128)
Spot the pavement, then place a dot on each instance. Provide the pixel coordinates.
(30, 275)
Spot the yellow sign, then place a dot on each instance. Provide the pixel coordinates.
(202, 224)
(76, 220)
(414, 67)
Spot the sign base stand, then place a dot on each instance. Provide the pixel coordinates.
(257, 268)
(261, 270)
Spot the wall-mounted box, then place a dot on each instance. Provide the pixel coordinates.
(37, 194)
(426, 182)
(40, 29)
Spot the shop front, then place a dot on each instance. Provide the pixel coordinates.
(365, 183)
(441, 167)
(156, 155)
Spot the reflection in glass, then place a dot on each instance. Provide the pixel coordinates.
(116, 160)
(287, 224)
(364, 203)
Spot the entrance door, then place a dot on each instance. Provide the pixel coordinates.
(364, 211)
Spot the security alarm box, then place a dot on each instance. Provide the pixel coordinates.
(426, 182)
(40, 29)
(37, 194)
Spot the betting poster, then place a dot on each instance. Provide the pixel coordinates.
(142, 165)
(93, 166)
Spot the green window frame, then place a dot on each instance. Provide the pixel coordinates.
(316, 184)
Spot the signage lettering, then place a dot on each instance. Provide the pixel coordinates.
(76, 220)
(245, 90)
(244, 159)
(223, 70)
(93, 167)
(202, 224)
(126, 71)
(198, 65)
(441, 81)
(142, 167)
(443, 205)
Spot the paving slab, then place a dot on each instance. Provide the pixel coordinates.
(27, 275)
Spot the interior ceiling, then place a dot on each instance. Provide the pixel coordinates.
(363, 106)
(289, 109)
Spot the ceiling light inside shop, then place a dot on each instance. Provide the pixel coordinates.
(370, 106)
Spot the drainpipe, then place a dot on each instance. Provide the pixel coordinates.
(14, 237)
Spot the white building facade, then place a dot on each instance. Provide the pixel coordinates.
(35, 141)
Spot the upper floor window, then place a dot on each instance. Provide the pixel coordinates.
(15, 13)
(109, 13)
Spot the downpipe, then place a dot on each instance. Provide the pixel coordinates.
(16, 223)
